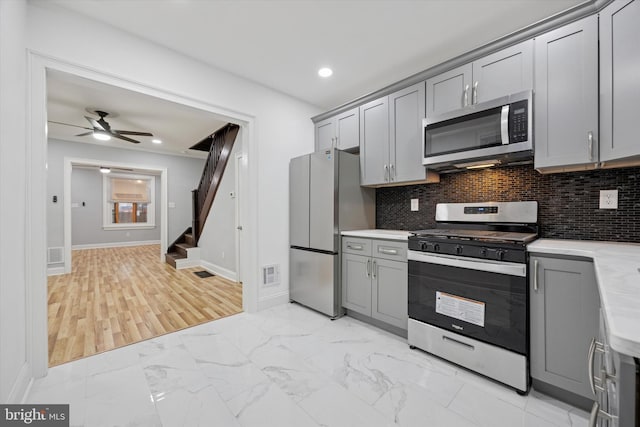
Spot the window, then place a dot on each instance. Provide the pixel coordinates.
(128, 201)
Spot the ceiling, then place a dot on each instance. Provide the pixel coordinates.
(177, 126)
(282, 43)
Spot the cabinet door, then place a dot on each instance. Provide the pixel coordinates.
(374, 142)
(566, 103)
(406, 111)
(503, 73)
(356, 283)
(325, 134)
(390, 288)
(619, 82)
(564, 318)
(449, 91)
(348, 130)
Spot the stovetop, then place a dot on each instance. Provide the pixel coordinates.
(478, 235)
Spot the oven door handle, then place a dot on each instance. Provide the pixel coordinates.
(499, 267)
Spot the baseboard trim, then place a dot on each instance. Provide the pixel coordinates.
(21, 386)
(115, 244)
(55, 271)
(187, 263)
(220, 271)
(269, 301)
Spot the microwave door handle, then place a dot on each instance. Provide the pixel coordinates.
(504, 124)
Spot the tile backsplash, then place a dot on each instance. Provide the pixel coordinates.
(567, 202)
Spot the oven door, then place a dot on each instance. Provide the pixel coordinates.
(481, 299)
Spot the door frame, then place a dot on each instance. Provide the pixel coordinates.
(36, 187)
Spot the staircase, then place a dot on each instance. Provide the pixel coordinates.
(184, 251)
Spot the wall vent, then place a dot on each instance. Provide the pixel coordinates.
(271, 275)
(55, 255)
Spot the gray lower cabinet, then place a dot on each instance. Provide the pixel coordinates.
(619, 82)
(499, 74)
(341, 131)
(564, 305)
(374, 279)
(566, 103)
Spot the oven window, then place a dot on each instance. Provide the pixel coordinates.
(500, 299)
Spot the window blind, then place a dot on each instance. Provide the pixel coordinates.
(129, 190)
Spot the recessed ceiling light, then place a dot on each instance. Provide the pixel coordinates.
(156, 141)
(101, 136)
(325, 72)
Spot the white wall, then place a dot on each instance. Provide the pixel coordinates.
(282, 126)
(218, 239)
(13, 326)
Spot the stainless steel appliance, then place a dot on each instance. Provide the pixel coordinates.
(325, 198)
(615, 383)
(468, 286)
(492, 132)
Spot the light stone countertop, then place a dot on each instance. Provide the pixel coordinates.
(379, 234)
(617, 267)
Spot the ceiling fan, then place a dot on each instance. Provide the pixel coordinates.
(100, 129)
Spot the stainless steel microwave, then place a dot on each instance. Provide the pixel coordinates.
(489, 133)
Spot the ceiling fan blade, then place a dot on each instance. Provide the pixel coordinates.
(117, 135)
(103, 123)
(69, 124)
(85, 134)
(130, 132)
(94, 123)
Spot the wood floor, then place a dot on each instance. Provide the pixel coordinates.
(117, 296)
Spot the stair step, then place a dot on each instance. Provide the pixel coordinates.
(171, 258)
(181, 248)
(188, 237)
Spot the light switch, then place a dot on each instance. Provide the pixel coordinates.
(608, 199)
(414, 205)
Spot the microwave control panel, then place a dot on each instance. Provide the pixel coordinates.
(519, 122)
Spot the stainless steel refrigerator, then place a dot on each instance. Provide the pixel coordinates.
(325, 198)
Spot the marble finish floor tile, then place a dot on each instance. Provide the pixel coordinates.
(287, 366)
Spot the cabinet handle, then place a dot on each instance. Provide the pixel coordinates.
(373, 270)
(386, 173)
(388, 251)
(593, 347)
(368, 268)
(354, 247)
(392, 172)
(590, 144)
(535, 275)
(468, 346)
(466, 95)
(474, 96)
(597, 413)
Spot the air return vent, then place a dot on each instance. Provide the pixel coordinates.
(55, 255)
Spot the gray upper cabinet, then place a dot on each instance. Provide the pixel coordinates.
(449, 91)
(566, 103)
(502, 73)
(619, 82)
(564, 319)
(406, 111)
(374, 142)
(391, 138)
(341, 131)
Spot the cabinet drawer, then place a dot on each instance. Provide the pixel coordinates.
(356, 245)
(396, 251)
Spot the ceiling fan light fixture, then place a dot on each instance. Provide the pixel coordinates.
(104, 169)
(156, 141)
(325, 72)
(101, 136)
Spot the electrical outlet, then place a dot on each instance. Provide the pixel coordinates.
(608, 199)
(414, 205)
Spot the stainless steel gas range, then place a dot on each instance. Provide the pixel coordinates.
(468, 284)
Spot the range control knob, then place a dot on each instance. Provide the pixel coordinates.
(424, 246)
(458, 249)
(500, 254)
(436, 247)
(483, 252)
